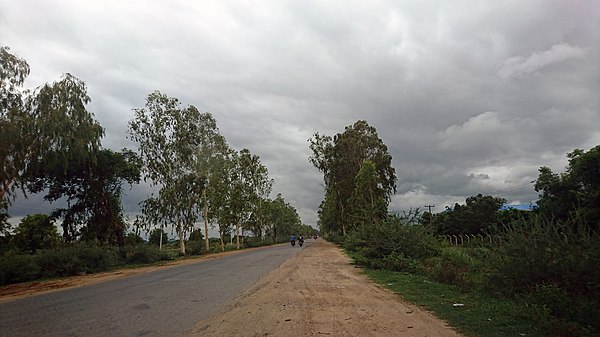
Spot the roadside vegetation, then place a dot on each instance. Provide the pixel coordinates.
(51, 146)
(489, 272)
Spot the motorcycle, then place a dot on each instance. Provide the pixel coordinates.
(293, 242)
(300, 243)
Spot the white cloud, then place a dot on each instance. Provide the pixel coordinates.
(521, 66)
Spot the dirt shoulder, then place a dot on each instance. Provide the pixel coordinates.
(20, 290)
(319, 293)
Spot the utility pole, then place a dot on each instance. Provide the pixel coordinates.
(430, 214)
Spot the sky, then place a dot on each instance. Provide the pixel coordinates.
(469, 96)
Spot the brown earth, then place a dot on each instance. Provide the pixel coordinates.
(319, 293)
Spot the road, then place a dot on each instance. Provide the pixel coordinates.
(167, 302)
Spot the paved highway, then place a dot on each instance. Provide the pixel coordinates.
(167, 302)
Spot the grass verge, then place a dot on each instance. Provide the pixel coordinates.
(476, 314)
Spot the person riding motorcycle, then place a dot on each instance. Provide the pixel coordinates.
(293, 240)
(300, 240)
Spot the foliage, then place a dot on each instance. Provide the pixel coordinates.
(155, 234)
(369, 200)
(48, 128)
(143, 254)
(14, 136)
(282, 219)
(169, 142)
(340, 159)
(393, 236)
(16, 268)
(93, 188)
(548, 256)
(478, 216)
(132, 239)
(196, 235)
(576, 190)
(35, 232)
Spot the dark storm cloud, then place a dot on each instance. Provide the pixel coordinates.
(470, 97)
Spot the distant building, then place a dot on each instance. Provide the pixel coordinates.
(520, 207)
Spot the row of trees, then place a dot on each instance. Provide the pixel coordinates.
(51, 144)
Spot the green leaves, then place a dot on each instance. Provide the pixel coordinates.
(340, 159)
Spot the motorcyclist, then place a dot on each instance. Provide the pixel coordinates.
(300, 240)
(293, 240)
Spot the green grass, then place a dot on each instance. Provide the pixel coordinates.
(481, 315)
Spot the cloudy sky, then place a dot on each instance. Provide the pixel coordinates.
(469, 96)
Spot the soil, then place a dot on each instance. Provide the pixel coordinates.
(319, 293)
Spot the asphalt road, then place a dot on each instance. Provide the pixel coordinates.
(167, 302)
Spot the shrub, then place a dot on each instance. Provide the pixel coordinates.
(257, 242)
(60, 262)
(554, 265)
(142, 254)
(194, 247)
(16, 268)
(95, 258)
(453, 266)
(397, 262)
(393, 236)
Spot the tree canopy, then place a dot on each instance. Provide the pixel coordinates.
(340, 159)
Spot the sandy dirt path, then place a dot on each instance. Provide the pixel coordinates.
(319, 293)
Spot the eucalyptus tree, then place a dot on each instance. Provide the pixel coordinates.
(339, 158)
(14, 137)
(255, 176)
(49, 127)
(283, 218)
(168, 138)
(252, 184)
(211, 156)
(220, 193)
(369, 200)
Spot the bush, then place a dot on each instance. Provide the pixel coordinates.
(194, 247)
(16, 268)
(554, 265)
(393, 236)
(142, 254)
(60, 262)
(95, 259)
(257, 242)
(397, 262)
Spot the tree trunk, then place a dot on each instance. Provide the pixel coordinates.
(160, 240)
(181, 240)
(237, 235)
(206, 242)
(222, 243)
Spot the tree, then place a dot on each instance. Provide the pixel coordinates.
(211, 155)
(576, 191)
(369, 201)
(169, 143)
(479, 215)
(49, 127)
(35, 232)
(156, 238)
(283, 218)
(14, 137)
(93, 188)
(340, 159)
